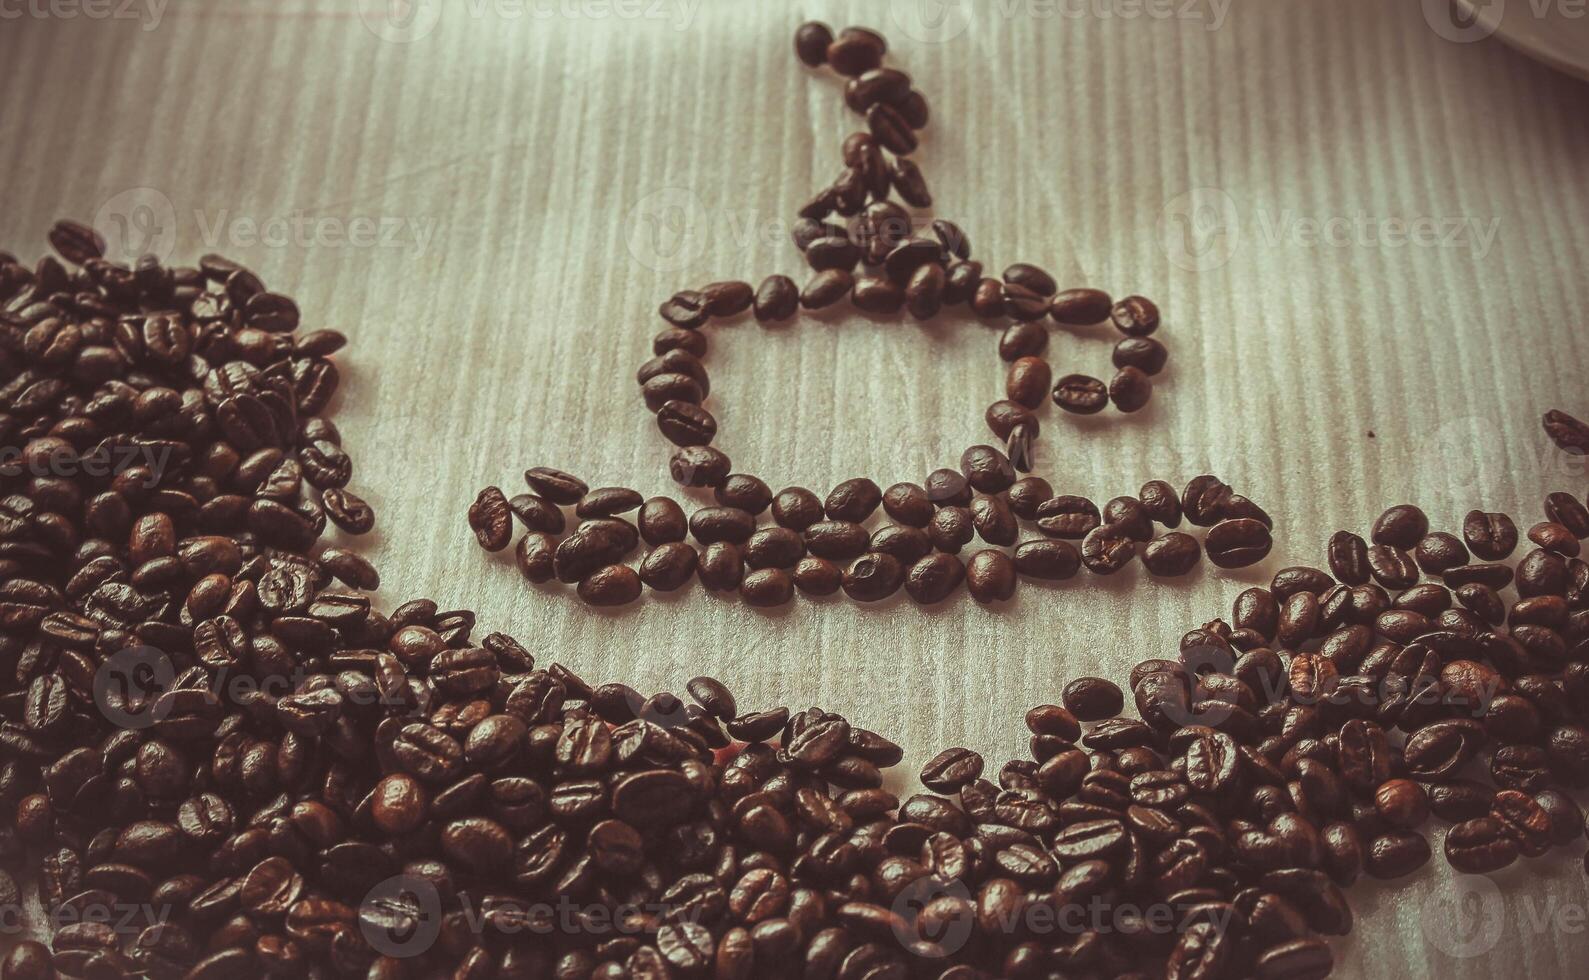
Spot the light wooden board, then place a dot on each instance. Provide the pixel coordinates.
(538, 177)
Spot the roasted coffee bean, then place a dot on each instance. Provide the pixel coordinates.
(555, 485)
(1238, 543)
(1143, 353)
(699, 466)
(1028, 382)
(1080, 394)
(836, 540)
(853, 500)
(777, 298)
(1172, 554)
(774, 547)
(720, 567)
(811, 43)
(817, 576)
(990, 577)
(1107, 549)
(877, 294)
(1048, 560)
(1135, 316)
(987, 470)
(1021, 340)
(1068, 516)
(934, 578)
(686, 424)
(908, 504)
(1555, 538)
(662, 521)
(796, 508)
(951, 529)
(873, 577)
(766, 587)
(826, 288)
(1028, 494)
(1348, 556)
(855, 51)
(994, 521)
(668, 566)
(710, 525)
(1092, 699)
(1081, 307)
(1479, 846)
(1402, 526)
(1130, 389)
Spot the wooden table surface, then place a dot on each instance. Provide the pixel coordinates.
(1369, 242)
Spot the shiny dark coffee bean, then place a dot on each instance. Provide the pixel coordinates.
(1080, 394)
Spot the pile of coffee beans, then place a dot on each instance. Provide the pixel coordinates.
(219, 759)
(817, 546)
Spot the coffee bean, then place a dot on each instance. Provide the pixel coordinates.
(555, 485)
(774, 547)
(661, 521)
(994, 521)
(908, 504)
(1080, 394)
(1135, 316)
(853, 500)
(777, 298)
(855, 51)
(1479, 846)
(1022, 340)
(990, 577)
(817, 576)
(1023, 304)
(668, 566)
(811, 43)
(826, 288)
(1172, 554)
(1028, 381)
(699, 466)
(1047, 560)
(951, 529)
(1143, 353)
(891, 129)
(1296, 959)
(1068, 516)
(491, 519)
(685, 424)
(987, 470)
(710, 525)
(1107, 549)
(1238, 543)
(1130, 389)
(836, 540)
(1555, 538)
(720, 567)
(796, 508)
(924, 292)
(766, 587)
(961, 282)
(873, 577)
(877, 294)
(1081, 307)
(934, 578)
